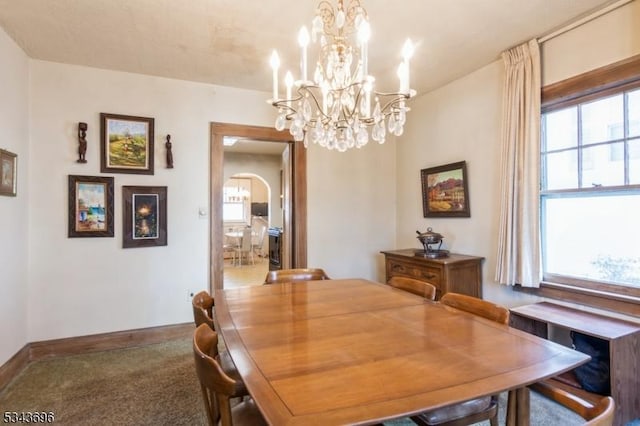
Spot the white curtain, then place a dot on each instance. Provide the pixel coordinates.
(519, 259)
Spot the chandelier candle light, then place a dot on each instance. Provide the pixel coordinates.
(334, 109)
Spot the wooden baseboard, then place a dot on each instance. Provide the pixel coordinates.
(14, 366)
(93, 343)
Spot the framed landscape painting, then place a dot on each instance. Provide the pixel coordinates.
(90, 206)
(8, 173)
(126, 144)
(445, 191)
(144, 218)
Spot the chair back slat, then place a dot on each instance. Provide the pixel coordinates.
(476, 306)
(203, 309)
(598, 414)
(420, 288)
(295, 275)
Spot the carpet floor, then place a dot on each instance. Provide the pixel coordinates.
(152, 385)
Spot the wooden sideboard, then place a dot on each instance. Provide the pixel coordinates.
(623, 338)
(457, 273)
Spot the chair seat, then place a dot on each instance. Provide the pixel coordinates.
(454, 412)
(247, 413)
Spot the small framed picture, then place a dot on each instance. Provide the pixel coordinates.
(8, 173)
(126, 144)
(144, 218)
(90, 206)
(445, 191)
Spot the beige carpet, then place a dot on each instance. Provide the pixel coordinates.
(152, 385)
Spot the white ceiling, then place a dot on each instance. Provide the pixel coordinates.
(228, 42)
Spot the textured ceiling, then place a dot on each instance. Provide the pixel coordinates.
(228, 42)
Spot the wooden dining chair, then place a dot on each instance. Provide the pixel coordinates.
(479, 307)
(295, 275)
(203, 309)
(420, 288)
(218, 388)
(478, 409)
(203, 314)
(600, 413)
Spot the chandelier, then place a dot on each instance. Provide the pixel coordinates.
(340, 108)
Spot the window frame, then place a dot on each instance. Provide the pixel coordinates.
(599, 83)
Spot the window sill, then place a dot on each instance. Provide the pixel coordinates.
(623, 304)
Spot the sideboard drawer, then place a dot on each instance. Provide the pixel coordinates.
(431, 275)
(457, 273)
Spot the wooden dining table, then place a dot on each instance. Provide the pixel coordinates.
(352, 351)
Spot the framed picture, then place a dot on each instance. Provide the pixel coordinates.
(90, 206)
(8, 173)
(144, 220)
(445, 191)
(126, 144)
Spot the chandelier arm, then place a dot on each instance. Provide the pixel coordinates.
(386, 110)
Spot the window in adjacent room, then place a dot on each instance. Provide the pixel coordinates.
(236, 200)
(590, 191)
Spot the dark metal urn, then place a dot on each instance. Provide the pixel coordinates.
(429, 238)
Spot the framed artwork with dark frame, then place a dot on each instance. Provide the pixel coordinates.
(126, 144)
(90, 206)
(8, 173)
(445, 191)
(144, 216)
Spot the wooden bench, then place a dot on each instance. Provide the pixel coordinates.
(624, 347)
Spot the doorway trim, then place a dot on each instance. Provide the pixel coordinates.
(295, 222)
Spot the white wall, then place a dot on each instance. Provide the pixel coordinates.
(610, 38)
(352, 208)
(14, 231)
(83, 286)
(461, 121)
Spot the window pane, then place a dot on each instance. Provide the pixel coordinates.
(593, 237)
(602, 120)
(634, 162)
(562, 170)
(232, 212)
(634, 113)
(561, 129)
(603, 165)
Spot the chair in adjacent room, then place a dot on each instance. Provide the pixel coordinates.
(600, 413)
(218, 388)
(420, 288)
(295, 275)
(245, 249)
(475, 410)
(259, 226)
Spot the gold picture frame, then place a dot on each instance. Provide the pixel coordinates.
(127, 144)
(8, 173)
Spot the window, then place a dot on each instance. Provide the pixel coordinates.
(236, 196)
(590, 190)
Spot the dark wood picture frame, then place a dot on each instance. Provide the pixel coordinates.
(445, 191)
(8, 173)
(126, 144)
(90, 206)
(144, 216)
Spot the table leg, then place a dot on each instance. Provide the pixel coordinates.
(518, 408)
(511, 408)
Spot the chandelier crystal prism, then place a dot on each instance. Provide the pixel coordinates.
(340, 108)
